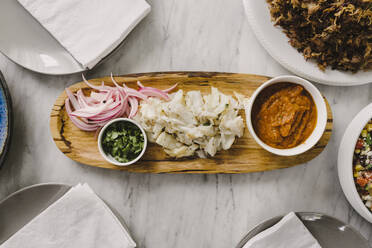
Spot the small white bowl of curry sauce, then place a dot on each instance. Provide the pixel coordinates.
(287, 115)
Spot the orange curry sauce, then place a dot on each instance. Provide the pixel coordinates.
(284, 115)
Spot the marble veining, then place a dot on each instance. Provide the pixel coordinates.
(182, 210)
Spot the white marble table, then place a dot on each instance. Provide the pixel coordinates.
(182, 210)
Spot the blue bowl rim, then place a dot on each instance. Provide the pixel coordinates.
(8, 100)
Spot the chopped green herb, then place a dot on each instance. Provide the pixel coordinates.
(123, 140)
(369, 139)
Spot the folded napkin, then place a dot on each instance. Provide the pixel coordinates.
(88, 29)
(79, 219)
(289, 232)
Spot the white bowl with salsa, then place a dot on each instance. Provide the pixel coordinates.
(345, 161)
(286, 115)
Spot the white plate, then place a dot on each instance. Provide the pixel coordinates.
(22, 206)
(330, 232)
(345, 161)
(24, 41)
(276, 43)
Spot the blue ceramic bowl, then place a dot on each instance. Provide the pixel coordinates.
(6, 119)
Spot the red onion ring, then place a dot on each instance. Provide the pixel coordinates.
(106, 103)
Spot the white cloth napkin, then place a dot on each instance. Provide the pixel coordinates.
(79, 219)
(289, 232)
(88, 29)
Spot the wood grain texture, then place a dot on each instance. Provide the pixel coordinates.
(244, 156)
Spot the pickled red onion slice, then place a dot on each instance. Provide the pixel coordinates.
(106, 103)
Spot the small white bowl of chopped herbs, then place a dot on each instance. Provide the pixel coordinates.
(122, 142)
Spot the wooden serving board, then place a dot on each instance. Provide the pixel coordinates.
(244, 156)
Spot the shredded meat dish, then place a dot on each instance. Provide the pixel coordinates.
(334, 33)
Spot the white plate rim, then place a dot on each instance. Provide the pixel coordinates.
(30, 187)
(41, 72)
(64, 73)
